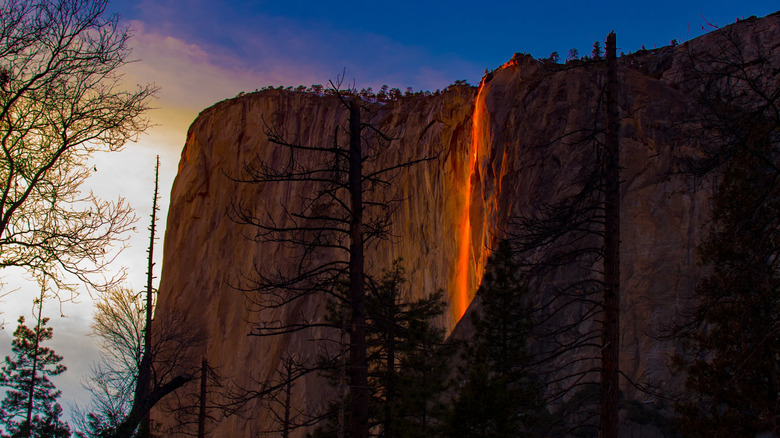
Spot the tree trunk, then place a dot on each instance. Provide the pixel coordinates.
(142, 406)
(357, 340)
(144, 398)
(390, 370)
(287, 426)
(145, 430)
(204, 365)
(608, 413)
(27, 428)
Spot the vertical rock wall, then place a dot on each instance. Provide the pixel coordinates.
(208, 255)
(499, 151)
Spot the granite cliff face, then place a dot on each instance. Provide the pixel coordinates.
(501, 149)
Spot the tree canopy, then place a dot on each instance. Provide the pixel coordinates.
(30, 407)
(61, 100)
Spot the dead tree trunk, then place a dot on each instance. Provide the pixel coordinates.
(148, 391)
(357, 340)
(145, 371)
(27, 427)
(608, 412)
(346, 206)
(204, 367)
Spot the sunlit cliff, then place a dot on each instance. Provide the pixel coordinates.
(500, 149)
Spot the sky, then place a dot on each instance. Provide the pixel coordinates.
(200, 52)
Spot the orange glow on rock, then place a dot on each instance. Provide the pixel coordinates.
(462, 275)
(465, 262)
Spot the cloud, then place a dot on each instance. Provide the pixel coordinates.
(193, 77)
(198, 65)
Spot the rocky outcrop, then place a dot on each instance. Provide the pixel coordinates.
(500, 150)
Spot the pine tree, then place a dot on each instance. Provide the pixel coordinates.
(735, 333)
(732, 334)
(497, 397)
(408, 360)
(596, 52)
(30, 407)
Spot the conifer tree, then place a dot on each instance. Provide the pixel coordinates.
(30, 407)
(497, 396)
(596, 52)
(408, 360)
(735, 377)
(732, 334)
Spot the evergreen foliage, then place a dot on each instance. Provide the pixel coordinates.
(407, 358)
(733, 334)
(28, 374)
(735, 372)
(498, 397)
(596, 52)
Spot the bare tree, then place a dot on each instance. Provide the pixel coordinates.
(341, 186)
(731, 330)
(118, 323)
(569, 252)
(61, 100)
(285, 414)
(173, 360)
(165, 364)
(140, 365)
(274, 392)
(145, 367)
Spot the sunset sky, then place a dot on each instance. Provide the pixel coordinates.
(200, 52)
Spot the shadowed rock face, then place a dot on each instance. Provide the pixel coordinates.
(501, 150)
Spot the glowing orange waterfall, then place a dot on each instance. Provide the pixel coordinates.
(466, 263)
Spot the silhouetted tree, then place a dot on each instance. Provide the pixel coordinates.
(610, 323)
(408, 360)
(568, 250)
(164, 364)
(343, 210)
(61, 100)
(144, 382)
(498, 396)
(173, 365)
(118, 323)
(30, 407)
(732, 334)
(596, 52)
(140, 366)
(286, 416)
